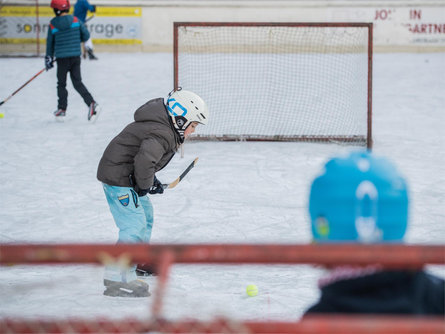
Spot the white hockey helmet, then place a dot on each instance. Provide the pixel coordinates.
(186, 107)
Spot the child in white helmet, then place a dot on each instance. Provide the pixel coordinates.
(128, 167)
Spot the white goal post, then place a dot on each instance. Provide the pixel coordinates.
(279, 81)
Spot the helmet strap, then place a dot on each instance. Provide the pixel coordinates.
(179, 123)
(59, 12)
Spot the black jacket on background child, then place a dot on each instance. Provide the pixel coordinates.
(385, 292)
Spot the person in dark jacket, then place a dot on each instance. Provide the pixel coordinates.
(65, 34)
(81, 8)
(362, 198)
(127, 171)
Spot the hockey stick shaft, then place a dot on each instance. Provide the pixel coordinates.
(27, 82)
(90, 18)
(179, 179)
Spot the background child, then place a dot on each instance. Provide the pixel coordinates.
(81, 8)
(362, 198)
(65, 34)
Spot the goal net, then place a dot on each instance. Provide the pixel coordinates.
(279, 81)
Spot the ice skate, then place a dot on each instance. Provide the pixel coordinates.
(91, 55)
(93, 112)
(60, 115)
(136, 288)
(145, 270)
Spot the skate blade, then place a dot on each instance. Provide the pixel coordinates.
(126, 292)
(60, 119)
(119, 289)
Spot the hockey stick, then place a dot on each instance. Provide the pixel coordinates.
(27, 82)
(179, 179)
(91, 17)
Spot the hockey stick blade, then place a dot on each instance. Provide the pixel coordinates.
(179, 179)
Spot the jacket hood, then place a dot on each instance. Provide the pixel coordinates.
(156, 111)
(153, 111)
(62, 22)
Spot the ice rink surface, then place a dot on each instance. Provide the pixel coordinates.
(239, 192)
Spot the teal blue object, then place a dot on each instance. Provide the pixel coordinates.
(359, 198)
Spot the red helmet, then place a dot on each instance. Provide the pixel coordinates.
(60, 4)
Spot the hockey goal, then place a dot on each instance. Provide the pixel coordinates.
(279, 81)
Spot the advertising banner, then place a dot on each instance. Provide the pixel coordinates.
(396, 26)
(110, 25)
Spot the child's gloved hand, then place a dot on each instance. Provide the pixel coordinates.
(156, 188)
(140, 192)
(49, 62)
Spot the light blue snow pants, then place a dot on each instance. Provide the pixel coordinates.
(132, 214)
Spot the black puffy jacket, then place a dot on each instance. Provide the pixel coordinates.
(141, 149)
(387, 292)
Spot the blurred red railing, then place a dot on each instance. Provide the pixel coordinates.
(163, 256)
(314, 325)
(392, 256)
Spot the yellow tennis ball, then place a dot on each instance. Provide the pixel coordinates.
(2, 115)
(252, 290)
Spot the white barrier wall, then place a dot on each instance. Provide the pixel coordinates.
(398, 25)
(146, 25)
